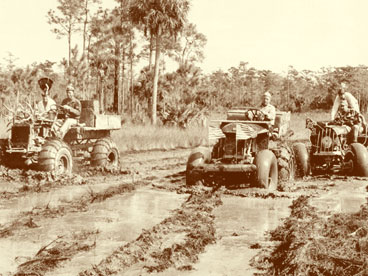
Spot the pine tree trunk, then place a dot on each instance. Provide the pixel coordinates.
(131, 83)
(69, 53)
(116, 103)
(122, 80)
(155, 80)
(150, 53)
(85, 26)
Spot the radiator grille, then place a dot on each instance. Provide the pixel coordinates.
(20, 135)
(326, 140)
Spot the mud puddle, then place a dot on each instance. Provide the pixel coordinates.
(115, 222)
(10, 208)
(344, 196)
(241, 224)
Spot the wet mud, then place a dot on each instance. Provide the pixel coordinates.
(141, 219)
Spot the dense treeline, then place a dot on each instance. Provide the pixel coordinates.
(122, 63)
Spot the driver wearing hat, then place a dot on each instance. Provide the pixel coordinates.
(267, 108)
(72, 109)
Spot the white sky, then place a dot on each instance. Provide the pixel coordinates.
(269, 34)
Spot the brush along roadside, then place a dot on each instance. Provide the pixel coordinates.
(317, 243)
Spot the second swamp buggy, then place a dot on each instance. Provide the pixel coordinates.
(32, 142)
(247, 149)
(331, 150)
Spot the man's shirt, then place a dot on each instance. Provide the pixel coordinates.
(43, 106)
(75, 110)
(349, 118)
(270, 112)
(352, 104)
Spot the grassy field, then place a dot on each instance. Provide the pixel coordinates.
(147, 137)
(297, 123)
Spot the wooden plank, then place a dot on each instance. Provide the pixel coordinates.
(107, 121)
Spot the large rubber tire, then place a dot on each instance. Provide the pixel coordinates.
(197, 157)
(105, 154)
(301, 160)
(56, 156)
(359, 155)
(285, 162)
(267, 171)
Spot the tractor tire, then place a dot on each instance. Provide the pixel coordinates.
(56, 156)
(285, 162)
(301, 160)
(358, 154)
(267, 171)
(105, 154)
(198, 156)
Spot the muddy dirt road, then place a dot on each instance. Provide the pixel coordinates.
(143, 219)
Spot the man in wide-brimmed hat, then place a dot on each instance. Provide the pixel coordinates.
(47, 103)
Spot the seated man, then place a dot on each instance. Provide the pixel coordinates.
(350, 119)
(268, 109)
(341, 96)
(72, 109)
(46, 104)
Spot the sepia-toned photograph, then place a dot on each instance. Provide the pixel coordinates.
(183, 137)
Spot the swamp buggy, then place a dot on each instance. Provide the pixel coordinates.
(32, 142)
(247, 149)
(331, 150)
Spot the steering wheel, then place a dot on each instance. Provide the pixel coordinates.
(255, 114)
(23, 116)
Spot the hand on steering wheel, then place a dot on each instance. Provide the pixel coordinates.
(255, 115)
(260, 116)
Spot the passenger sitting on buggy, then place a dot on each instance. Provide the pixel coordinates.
(352, 120)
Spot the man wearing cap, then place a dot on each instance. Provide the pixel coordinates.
(268, 109)
(341, 96)
(72, 109)
(47, 103)
(350, 119)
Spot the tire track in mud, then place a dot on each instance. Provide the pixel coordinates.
(175, 242)
(134, 166)
(29, 219)
(159, 172)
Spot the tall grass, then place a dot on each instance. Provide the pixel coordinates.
(148, 137)
(297, 123)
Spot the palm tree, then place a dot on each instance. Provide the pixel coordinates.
(159, 17)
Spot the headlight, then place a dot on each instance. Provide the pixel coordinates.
(326, 142)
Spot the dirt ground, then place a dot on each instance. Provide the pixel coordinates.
(142, 220)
